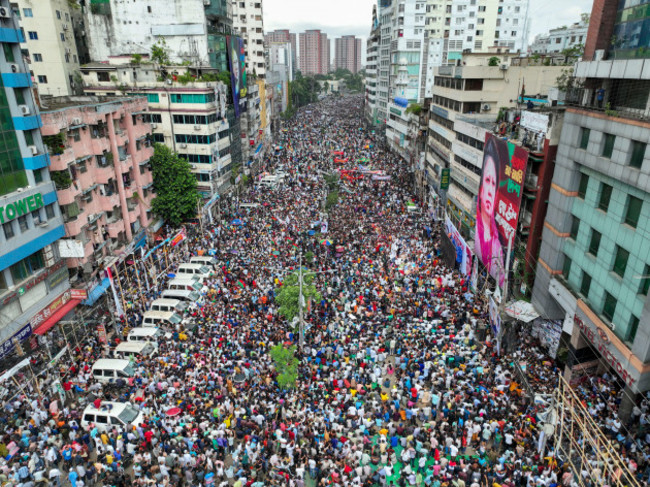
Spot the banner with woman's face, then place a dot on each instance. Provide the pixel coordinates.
(499, 200)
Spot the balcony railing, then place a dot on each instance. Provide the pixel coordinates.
(588, 99)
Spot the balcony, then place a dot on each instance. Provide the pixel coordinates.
(125, 165)
(60, 162)
(115, 228)
(130, 190)
(618, 105)
(134, 213)
(67, 196)
(109, 202)
(75, 227)
(100, 145)
(103, 174)
(121, 137)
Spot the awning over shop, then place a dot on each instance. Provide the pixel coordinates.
(522, 311)
(56, 317)
(97, 292)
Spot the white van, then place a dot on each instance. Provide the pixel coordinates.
(206, 260)
(145, 334)
(269, 182)
(181, 294)
(193, 270)
(109, 370)
(160, 318)
(185, 283)
(110, 415)
(134, 350)
(172, 305)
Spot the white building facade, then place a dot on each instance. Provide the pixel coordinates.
(50, 41)
(248, 20)
(557, 40)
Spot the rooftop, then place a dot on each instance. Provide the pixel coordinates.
(62, 102)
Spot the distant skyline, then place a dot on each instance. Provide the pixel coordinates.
(337, 18)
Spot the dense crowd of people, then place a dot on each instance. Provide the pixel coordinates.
(397, 383)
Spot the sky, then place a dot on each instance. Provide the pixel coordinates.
(353, 17)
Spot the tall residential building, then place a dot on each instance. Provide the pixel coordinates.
(51, 47)
(557, 40)
(372, 59)
(248, 20)
(594, 272)
(474, 93)
(124, 28)
(405, 64)
(280, 55)
(347, 53)
(314, 53)
(283, 35)
(192, 119)
(34, 285)
(103, 177)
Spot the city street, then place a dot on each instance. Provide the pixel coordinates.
(393, 386)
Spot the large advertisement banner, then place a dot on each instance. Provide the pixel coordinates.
(237, 63)
(499, 199)
(463, 252)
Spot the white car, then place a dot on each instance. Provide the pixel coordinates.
(111, 414)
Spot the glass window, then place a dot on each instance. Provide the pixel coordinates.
(645, 281)
(28, 266)
(58, 14)
(153, 98)
(3, 281)
(620, 262)
(8, 230)
(33, 35)
(566, 267)
(584, 137)
(637, 154)
(609, 307)
(594, 243)
(22, 223)
(631, 329)
(62, 36)
(605, 197)
(12, 171)
(608, 145)
(49, 211)
(42, 79)
(28, 12)
(582, 188)
(633, 211)
(585, 284)
(9, 52)
(575, 227)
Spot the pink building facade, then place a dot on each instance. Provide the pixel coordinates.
(99, 153)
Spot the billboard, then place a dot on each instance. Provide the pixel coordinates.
(463, 252)
(499, 199)
(237, 64)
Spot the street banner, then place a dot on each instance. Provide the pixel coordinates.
(178, 238)
(118, 303)
(499, 199)
(463, 252)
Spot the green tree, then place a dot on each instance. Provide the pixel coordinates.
(160, 56)
(287, 296)
(332, 200)
(341, 73)
(176, 194)
(494, 61)
(414, 108)
(286, 364)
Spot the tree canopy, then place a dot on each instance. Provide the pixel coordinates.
(176, 194)
(288, 294)
(286, 364)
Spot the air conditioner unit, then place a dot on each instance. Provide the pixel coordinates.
(154, 125)
(485, 107)
(34, 149)
(183, 146)
(15, 68)
(197, 127)
(87, 197)
(65, 26)
(76, 121)
(44, 224)
(503, 67)
(67, 50)
(193, 166)
(5, 13)
(206, 2)
(24, 109)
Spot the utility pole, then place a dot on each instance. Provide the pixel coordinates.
(300, 298)
(504, 295)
